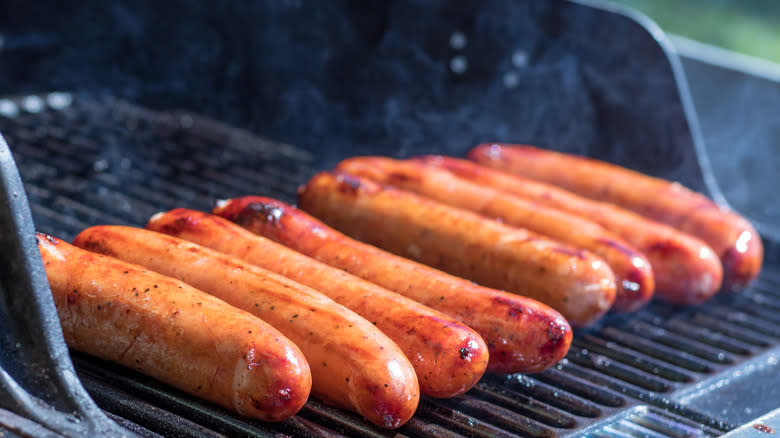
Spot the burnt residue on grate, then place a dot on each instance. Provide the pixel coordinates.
(99, 161)
(109, 162)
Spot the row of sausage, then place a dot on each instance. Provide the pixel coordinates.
(395, 278)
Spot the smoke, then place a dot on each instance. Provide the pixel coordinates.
(397, 77)
(741, 130)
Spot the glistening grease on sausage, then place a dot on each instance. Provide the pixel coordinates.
(633, 274)
(353, 365)
(686, 270)
(731, 236)
(177, 334)
(448, 357)
(522, 334)
(575, 282)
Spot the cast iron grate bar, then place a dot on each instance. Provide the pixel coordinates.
(319, 414)
(460, 421)
(762, 312)
(656, 333)
(666, 425)
(651, 422)
(633, 358)
(659, 351)
(418, 427)
(519, 422)
(164, 423)
(155, 397)
(580, 355)
(771, 290)
(600, 380)
(767, 326)
(133, 427)
(105, 161)
(758, 303)
(703, 335)
(541, 410)
(86, 166)
(516, 390)
(563, 382)
(731, 330)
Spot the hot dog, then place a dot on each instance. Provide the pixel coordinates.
(353, 365)
(731, 236)
(522, 335)
(448, 357)
(573, 281)
(686, 270)
(634, 277)
(177, 334)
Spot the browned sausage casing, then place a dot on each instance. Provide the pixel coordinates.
(522, 334)
(177, 334)
(731, 236)
(634, 276)
(686, 270)
(575, 282)
(448, 357)
(353, 365)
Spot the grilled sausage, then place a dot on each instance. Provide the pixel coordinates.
(731, 236)
(573, 281)
(522, 335)
(177, 334)
(686, 270)
(633, 274)
(448, 357)
(353, 365)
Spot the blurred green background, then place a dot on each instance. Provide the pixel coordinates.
(751, 27)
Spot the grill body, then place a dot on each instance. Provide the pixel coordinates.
(395, 78)
(674, 371)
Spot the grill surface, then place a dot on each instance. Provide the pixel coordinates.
(88, 161)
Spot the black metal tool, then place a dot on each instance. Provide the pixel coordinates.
(37, 380)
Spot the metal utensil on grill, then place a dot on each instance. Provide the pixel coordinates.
(37, 379)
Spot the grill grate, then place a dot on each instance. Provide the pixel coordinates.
(94, 161)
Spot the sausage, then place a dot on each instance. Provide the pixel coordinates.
(575, 282)
(523, 335)
(448, 357)
(731, 236)
(175, 333)
(633, 274)
(686, 270)
(353, 365)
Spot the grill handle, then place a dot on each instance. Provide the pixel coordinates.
(34, 361)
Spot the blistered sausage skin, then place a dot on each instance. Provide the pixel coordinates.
(731, 236)
(633, 274)
(448, 357)
(522, 334)
(686, 270)
(179, 335)
(353, 365)
(575, 282)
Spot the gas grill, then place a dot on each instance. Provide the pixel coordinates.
(435, 78)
